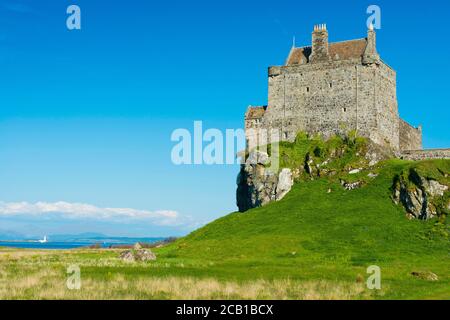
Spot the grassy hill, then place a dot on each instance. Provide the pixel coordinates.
(320, 231)
(316, 243)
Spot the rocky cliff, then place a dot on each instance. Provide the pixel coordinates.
(305, 159)
(422, 190)
(422, 197)
(258, 186)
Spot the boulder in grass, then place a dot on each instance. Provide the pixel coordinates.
(127, 256)
(425, 275)
(140, 255)
(145, 255)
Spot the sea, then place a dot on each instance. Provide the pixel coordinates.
(64, 245)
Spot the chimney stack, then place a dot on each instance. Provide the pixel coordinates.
(319, 44)
(371, 55)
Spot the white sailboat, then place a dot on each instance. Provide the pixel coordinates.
(45, 240)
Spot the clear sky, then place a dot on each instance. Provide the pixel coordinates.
(86, 115)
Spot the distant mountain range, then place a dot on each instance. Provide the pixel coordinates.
(10, 235)
(6, 235)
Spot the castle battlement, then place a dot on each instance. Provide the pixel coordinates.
(334, 88)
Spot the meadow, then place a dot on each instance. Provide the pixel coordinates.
(316, 243)
(28, 274)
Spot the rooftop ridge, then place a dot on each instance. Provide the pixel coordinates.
(342, 41)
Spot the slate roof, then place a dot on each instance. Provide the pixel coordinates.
(338, 51)
(255, 112)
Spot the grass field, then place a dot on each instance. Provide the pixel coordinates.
(42, 275)
(314, 244)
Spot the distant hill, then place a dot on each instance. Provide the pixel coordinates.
(75, 237)
(98, 237)
(6, 235)
(88, 237)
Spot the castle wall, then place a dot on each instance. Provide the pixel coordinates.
(252, 129)
(410, 137)
(387, 132)
(275, 113)
(417, 155)
(365, 102)
(334, 98)
(314, 98)
(334, 90)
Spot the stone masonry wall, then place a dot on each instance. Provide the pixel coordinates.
(417, 155)
(252, 132)
(365, 102)
(410, 137)
(315, 98)
(387, 133)
(334, 98)
(335, 88)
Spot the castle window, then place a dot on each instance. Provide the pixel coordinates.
(331, 85)
(307, 89)
(344, 109)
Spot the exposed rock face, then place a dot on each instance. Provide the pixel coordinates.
(137, 255)
(416, 195)
(258, 186)
(425, 275)
(285, 182)
(145, 255)
(434, 188)
(376, 153)
(127, 256)
(351, 185)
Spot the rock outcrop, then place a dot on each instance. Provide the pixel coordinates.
(349, 186)
(137, 254)
(419, 195)
(425, 275)
(258, 186)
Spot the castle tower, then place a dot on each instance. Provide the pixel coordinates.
(333, 89)
(370, 53)
(319, 44)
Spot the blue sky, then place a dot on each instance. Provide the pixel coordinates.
(86, 116)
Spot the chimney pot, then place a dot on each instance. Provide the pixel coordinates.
(319, 44)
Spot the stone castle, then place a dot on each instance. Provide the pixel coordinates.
(334, 88)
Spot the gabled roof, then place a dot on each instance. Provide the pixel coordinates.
(337, 50)
(255, 112)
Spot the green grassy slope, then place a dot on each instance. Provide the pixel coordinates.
(315, 234)
(316, 243)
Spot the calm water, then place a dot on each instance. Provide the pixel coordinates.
(72, 244)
